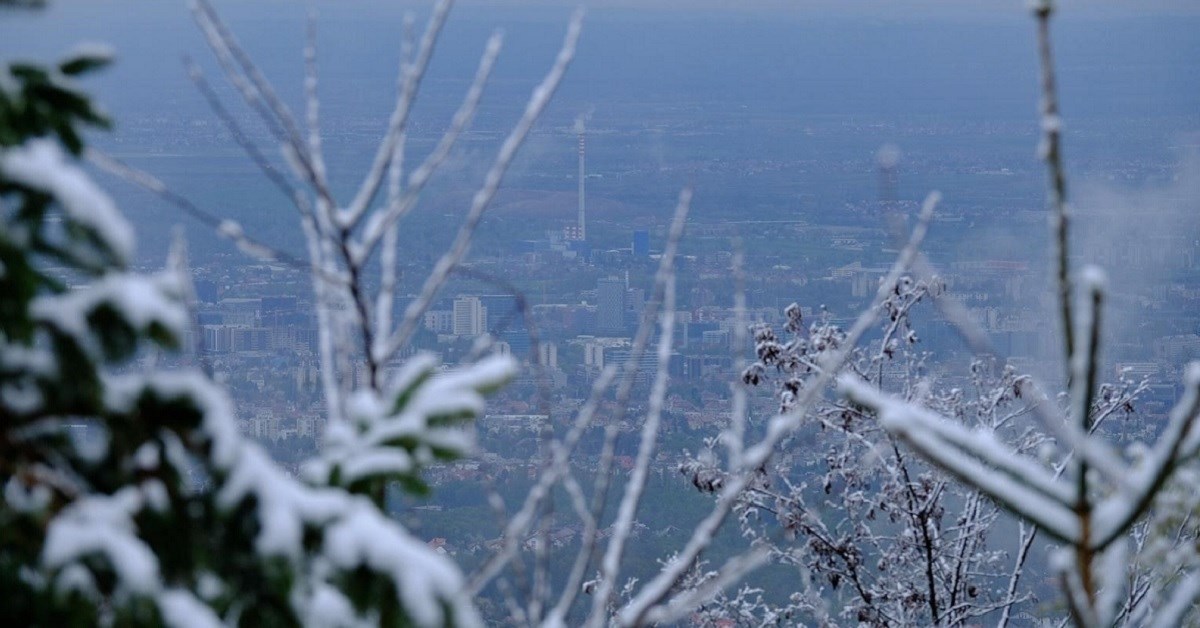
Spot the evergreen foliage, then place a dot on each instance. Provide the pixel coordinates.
(129, 497)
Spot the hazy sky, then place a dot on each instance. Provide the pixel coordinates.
(752, 75)
(804, 56)
(911, 8)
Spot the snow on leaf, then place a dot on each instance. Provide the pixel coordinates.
(284, 505)
(377, 462)
(92, 50)
(25, 499)
(219, 427)
(40, 164)
(86, 56)
(181, 609)
(408, 379)
(327, 607)
(424, 580)
(21, 396)
(103, 524)
(426, 408)
(145, 303)
(26, 360)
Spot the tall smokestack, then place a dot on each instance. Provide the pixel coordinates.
(888, 159)
(581, 176)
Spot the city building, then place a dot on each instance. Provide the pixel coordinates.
(548, 355)
(503, 313)
(641, 244)
(439, 321)
(470, 316)
(610, 306)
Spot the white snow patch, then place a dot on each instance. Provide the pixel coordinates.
(146, 456)
(103, 524)
(140, 300)
(1051, 123)
(92, 50)
(76, 578)
(181, 609)
(209, 586)
(25, 499)
(36, 362)
(328, 608)
(423, 578)
(230, 229)
(41, 164)
(1093, 278)
(21, 396)
(156, 495)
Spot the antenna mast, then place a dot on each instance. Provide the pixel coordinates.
(581, 177)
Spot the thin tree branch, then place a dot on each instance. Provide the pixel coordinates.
(483, 197)
(411, 74)
(1051, 152)
(398, 207)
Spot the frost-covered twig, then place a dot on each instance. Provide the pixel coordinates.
(410, 81)
(664, 306)
(312, 102)
(755, 457)
(483, 197)
(520, 522)
(334, 244)
(1180, 602)
(732, 572)
(1090, 522)
(557, 467)
(736, 433)
(833, 360)
(901, 418)
(1027, 535)
(634, 488)
(1179, 441)
(343, 239)
(1050, 151)
(398, 207)
(223, 227)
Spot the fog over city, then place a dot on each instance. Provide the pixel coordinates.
(521, 312)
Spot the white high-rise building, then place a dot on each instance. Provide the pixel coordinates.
(470, 316)
(548, 355)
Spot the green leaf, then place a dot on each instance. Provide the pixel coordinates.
(414, 485)
(28, 72)
(405, 394)
(450, 418)
(82, 64)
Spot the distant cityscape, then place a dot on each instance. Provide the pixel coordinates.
(561, 268)
(567, 303)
